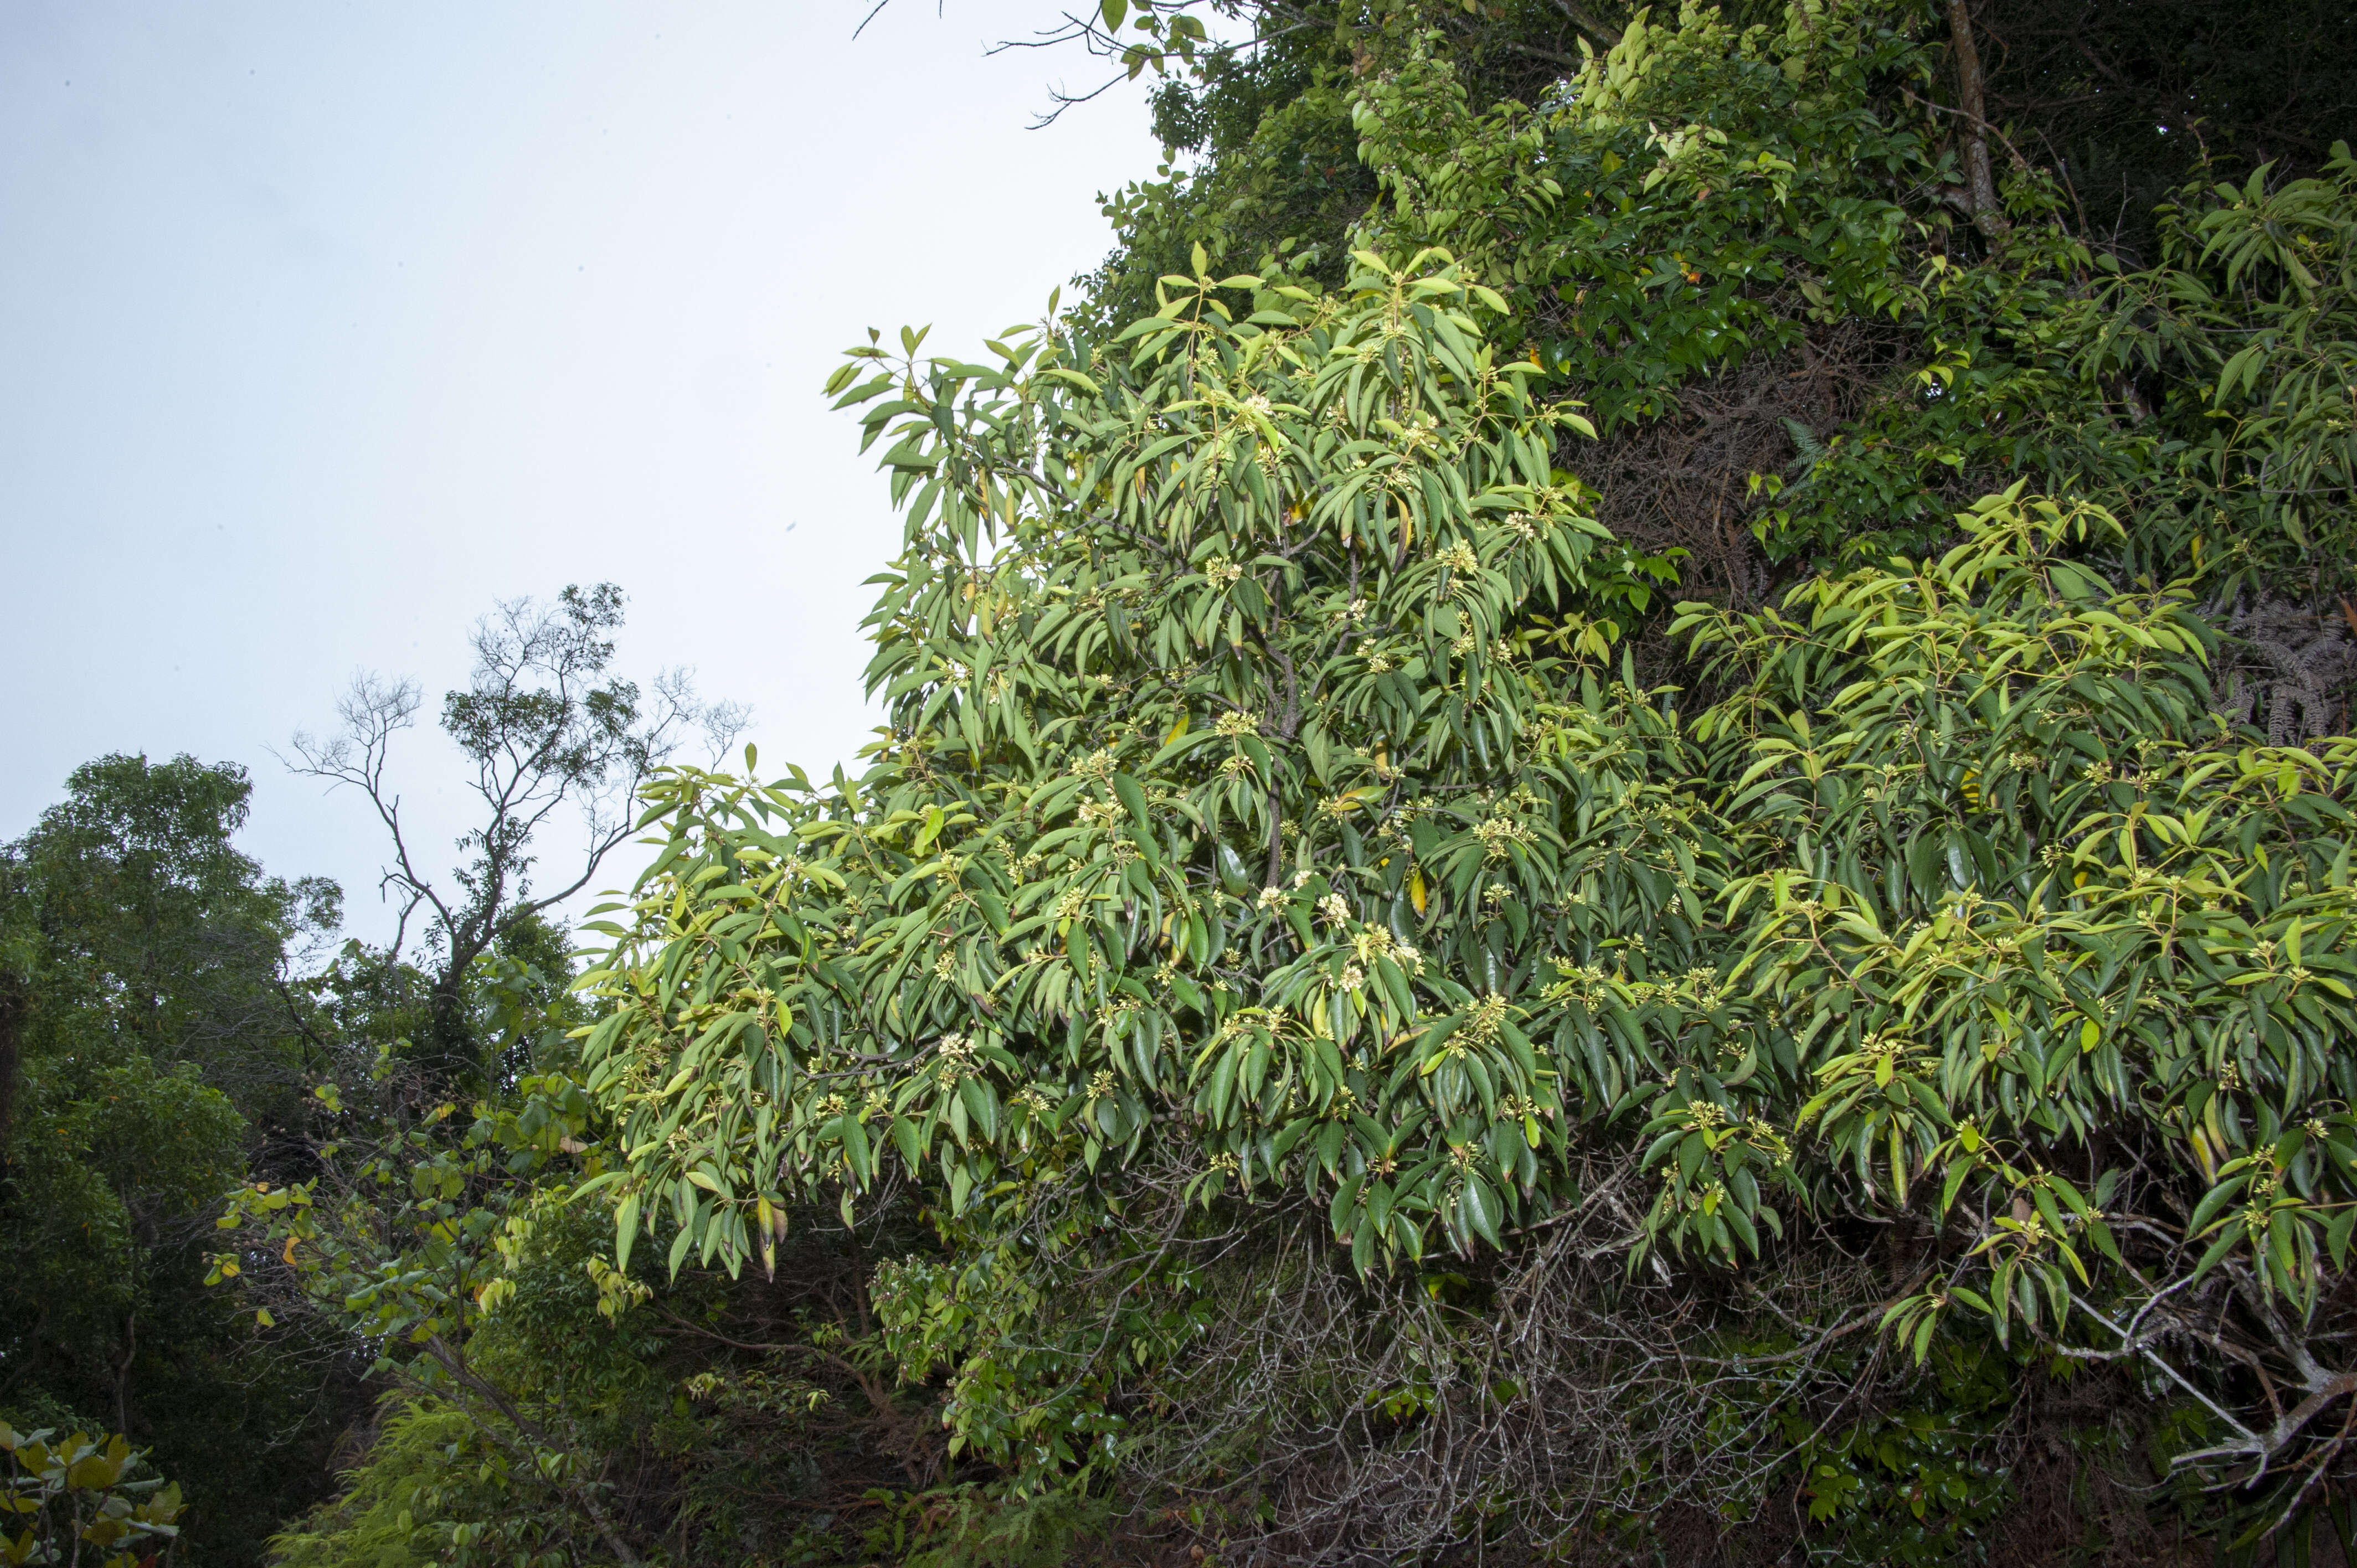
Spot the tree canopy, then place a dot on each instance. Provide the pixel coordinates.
(1307, 808)
(1613, 825)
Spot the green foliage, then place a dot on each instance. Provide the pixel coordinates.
(1710, 199)
(2250, 323)
(146, 928)
(1286, 180)
(411, 1240)
(2031, 890)
(1317, 534)
(1920, 1484)
(1577, 850)
(417, 1480)
(527, 1367)
(110, 1162)
(1270, 811)
(965, 1526)
(78, 1492)
(419, 1217)
(2129, 104)
(155, 1040)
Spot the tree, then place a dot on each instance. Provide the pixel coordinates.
(1638, 855)
(1342, 1016)
(409, 1221)
(143, 922)
(537, 1398)
(545, 727)
(158, 1046)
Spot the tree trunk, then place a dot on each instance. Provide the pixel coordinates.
(1980, 183)
(123, 1372)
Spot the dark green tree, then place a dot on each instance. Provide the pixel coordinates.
(158, 1052)
(140, 921)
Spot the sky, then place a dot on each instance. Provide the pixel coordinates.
(323, 327)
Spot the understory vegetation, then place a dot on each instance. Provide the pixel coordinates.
(1614, 826)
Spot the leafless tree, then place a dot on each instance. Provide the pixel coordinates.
(551, 734)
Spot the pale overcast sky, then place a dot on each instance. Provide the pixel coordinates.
(323, 325)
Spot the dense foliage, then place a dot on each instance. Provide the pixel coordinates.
(147, 1052)
(80, 1494)
(1275, 834)
(1613, 825)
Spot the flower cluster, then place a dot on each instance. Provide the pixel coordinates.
(1497, 833)
(1486, 1018)
(956, 1054)
(1373, 942)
